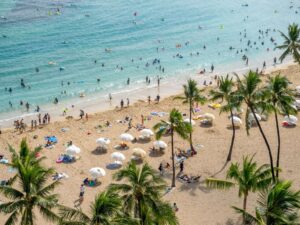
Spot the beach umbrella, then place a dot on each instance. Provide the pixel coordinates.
(147, 132)
(297, 104)
(138, 152)
(97, 172)
(126, 137)
(236, 120)
(209, 116)
(72, 150)
(118, 156)
(160, 144)
(187, 120)
(103, 141)
(291, 119)
(251, 117)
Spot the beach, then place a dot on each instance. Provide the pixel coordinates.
(197, 204)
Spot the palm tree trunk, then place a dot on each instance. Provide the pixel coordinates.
(173, 160)
(245, 206)
(266, 142)
(278, 142)
(233, 137)
(191, 138)
(140, 213)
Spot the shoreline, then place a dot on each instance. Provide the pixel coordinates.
(97, 103)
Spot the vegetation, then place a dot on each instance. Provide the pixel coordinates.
(250, 93)
(248, 177)
(105, 210)
(191, 95)
(278, 98)
(174, 125)
(226, 93)
(141, 195)
(33, 191)
(276, 206)
(291, 44)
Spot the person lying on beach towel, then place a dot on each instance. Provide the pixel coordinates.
(59, 176)
(187, 179)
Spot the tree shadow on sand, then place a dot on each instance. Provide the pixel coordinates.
(99, 151)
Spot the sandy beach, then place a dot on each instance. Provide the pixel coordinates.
(197, 204)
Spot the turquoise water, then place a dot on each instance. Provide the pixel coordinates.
(32, 34)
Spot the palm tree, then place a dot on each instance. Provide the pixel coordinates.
(250, 93)
(191, 95)
(141, 195)
(291, 43)
(32, 193)
(276, 206)
(278, 98)
(225, 93)
(248, 177)
(174, 125)
(105, 210)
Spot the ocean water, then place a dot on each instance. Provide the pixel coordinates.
(62, 39)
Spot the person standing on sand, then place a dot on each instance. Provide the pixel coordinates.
(81, 193)
(40, 118)
(86, 117)
(175, 207)
(181, 166)
(149, 100)
(161, 169)
(122, 103)
(142, 117)
(127, 102)
(157, 98)
(81, 114)
(48, 117)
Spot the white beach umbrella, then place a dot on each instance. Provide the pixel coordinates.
(126, 137)
(209, 116)
(147, 132)
(72, 150)
(297, 104)
(97, 172)
(251, 117)
(187, 120)
(298, 89)
(138, 152)
(103, 141)
(291, 119)
(160, 144)
(118, 156)
(236, 120)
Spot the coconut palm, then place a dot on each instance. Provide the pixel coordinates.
(226, 93)
(105, 210)
(250, 93)
(278, 98)
(32, 193)
(248, 177)
(291, 44)
(191, 95)
(141, 194)
(174, 125)
(276, 206)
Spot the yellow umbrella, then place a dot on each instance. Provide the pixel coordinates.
(138, 152)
